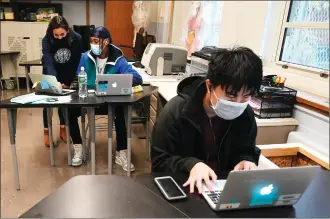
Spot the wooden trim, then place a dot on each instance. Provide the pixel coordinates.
(170, 23)
(87, 12)
(313, 106)
(281, 151)
(314, 158)
(277, 152)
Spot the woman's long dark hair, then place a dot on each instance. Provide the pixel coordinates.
(58, 22)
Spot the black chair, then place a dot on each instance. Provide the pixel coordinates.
(84, 31)
(141, 42)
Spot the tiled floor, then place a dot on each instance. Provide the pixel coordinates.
(38, 179)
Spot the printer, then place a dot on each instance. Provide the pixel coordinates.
(164, 59)
(200, 59)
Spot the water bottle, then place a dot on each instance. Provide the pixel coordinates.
(82, 80)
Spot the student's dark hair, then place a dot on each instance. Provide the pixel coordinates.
(234, 69)
(58, 22)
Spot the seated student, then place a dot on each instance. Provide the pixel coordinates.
(61, 52)
(103, 58)
(209, 126)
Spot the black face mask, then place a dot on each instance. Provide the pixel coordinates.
(61, 43)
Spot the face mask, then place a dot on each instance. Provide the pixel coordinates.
(228, 110)
(60, 43)
(96, 49)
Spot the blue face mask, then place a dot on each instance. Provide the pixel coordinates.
(96, 49)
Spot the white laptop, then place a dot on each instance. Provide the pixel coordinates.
(56, 87)
(113, 84)
(260, 188)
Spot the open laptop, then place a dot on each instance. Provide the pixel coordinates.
(113, 84)
(56, 88)
(260, 188)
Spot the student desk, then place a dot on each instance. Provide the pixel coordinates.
(8, 65)
(88, 103)
(102, 197)
(313, 204)
(122, 197)
(27, 66)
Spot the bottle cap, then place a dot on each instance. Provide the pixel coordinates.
(82, 68)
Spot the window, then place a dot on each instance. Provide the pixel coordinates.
(198, 25)
(304, 39)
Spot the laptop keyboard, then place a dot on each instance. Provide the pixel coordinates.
(214, 195)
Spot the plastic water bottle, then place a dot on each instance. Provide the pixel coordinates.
(82, 80)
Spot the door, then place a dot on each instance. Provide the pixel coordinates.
(119, 22)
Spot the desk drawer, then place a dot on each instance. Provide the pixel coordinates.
(153, 101)
(151, 126)
(152, 114)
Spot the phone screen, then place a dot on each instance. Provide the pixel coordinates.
(170, 187)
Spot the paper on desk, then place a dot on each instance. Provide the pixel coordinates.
(28, 98)
(60, 99)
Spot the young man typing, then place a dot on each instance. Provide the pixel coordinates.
(209, 126)
(103, 58)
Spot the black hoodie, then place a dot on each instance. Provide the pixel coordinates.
(177, 142)
(60, 58)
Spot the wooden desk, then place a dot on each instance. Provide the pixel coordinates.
(102, 197)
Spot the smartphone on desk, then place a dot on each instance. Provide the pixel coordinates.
(170, 189)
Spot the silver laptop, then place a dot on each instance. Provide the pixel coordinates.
(52, 81)
(113, 84)
(260, 188)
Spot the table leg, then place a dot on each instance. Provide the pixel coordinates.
(128, 112)
(17, 80)
(12, 116)
(91, 122)
(50, 133)
(147, 114)
(110, 129)
(67, 127)
(27, 71)
(83, 130)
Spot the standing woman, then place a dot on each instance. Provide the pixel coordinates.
(61, 53)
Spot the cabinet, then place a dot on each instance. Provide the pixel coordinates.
(25, 37)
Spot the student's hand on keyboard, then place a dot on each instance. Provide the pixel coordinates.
(245, 165)
(65, 86)
(199, 173)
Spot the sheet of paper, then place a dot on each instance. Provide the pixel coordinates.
(54, 100)
(28, 98)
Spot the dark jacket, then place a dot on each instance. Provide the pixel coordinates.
(61, 60)
(177, 139)
(116, 64)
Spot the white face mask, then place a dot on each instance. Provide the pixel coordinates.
(228, 110)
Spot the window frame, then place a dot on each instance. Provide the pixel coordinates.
(286, 24)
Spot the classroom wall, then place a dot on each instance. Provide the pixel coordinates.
(75, 12)
(243, 23)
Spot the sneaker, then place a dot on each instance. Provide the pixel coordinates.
(121, 159)
(77, 158)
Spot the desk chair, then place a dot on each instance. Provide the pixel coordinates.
(141, 42)
(84, 31)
